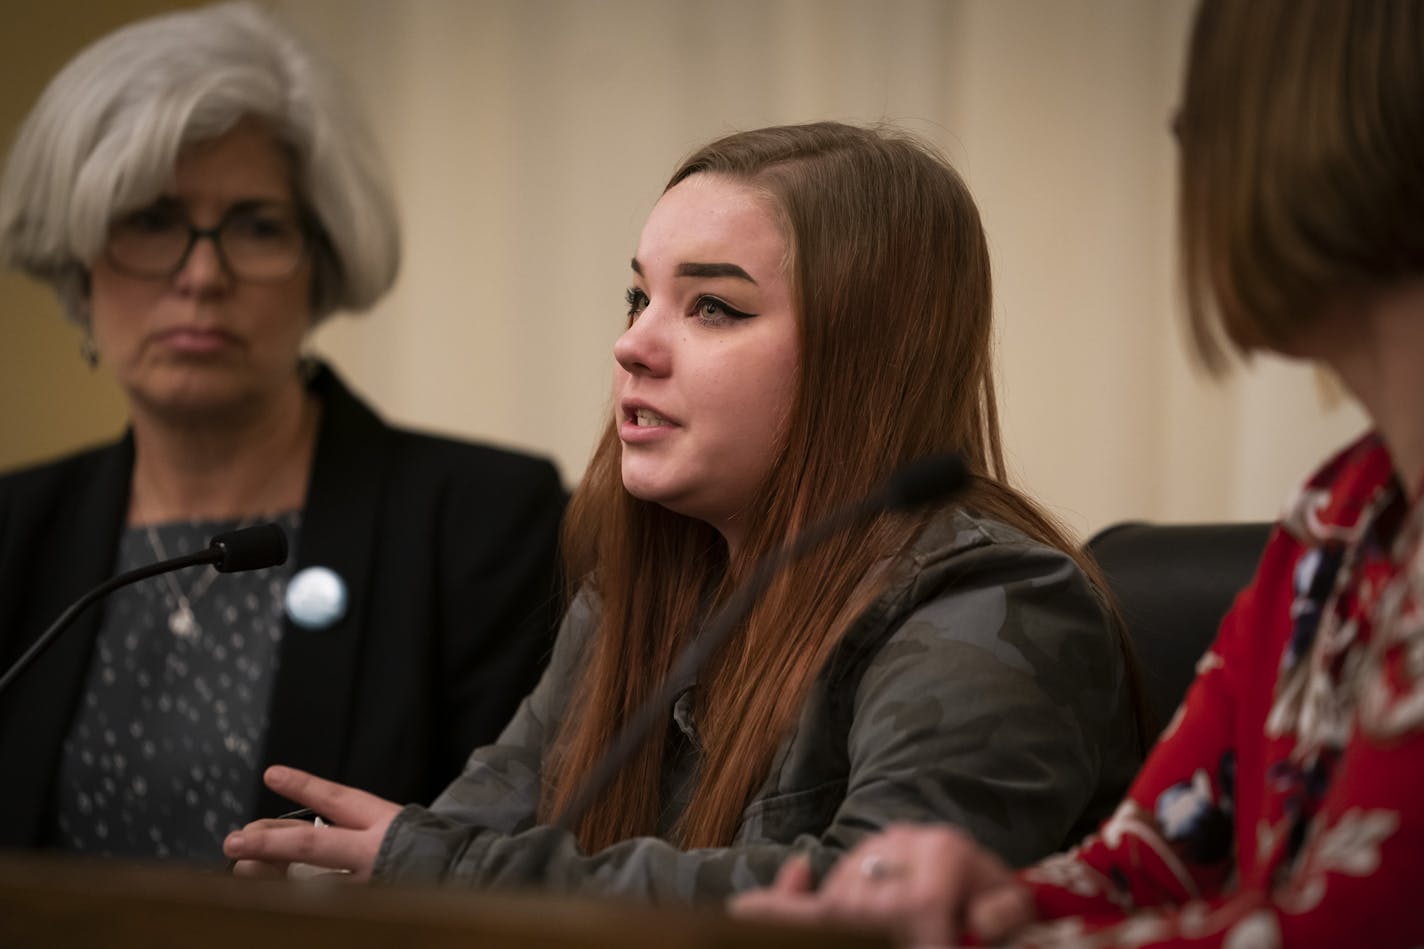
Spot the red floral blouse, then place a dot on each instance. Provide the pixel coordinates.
(1284, 804)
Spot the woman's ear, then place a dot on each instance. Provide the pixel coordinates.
(83, 313)
(74, 287)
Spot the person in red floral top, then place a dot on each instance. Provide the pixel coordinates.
(1284, 803)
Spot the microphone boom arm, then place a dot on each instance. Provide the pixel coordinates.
(248, 548)
(927, 480)
(207, 555)
(692, 658)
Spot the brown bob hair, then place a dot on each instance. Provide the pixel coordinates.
(889, 270)
(1302, 163)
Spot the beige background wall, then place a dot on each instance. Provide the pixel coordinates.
(530, 137)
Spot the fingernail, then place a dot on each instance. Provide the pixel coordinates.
(234, 841)
(277, 773)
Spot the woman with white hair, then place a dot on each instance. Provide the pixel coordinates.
(200, 193)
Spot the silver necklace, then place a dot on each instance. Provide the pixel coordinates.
(181, 620)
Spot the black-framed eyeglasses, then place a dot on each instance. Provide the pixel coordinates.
(256, 241)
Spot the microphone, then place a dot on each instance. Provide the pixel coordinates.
(917, 483)
(250, 548)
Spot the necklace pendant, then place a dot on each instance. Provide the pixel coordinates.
(182, 623)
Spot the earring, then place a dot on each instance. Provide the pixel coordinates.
(89, 350)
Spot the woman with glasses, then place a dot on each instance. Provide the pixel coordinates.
(200, 195)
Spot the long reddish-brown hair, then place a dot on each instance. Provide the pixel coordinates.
(890, 277)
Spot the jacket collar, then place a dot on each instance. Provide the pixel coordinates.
(312, 697)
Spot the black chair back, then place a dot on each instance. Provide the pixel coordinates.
(1174, 583)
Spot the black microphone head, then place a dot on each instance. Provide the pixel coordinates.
(251, 548)
(925, 480)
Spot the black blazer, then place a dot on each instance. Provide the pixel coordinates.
(449, 553)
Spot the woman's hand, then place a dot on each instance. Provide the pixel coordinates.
(930, 885)
(356, 822)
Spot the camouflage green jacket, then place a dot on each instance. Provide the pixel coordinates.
(983, 688)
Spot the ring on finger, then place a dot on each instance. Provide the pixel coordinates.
(877, 869)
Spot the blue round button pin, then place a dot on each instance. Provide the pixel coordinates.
(316, 598)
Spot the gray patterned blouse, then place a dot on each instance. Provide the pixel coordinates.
(161, 757)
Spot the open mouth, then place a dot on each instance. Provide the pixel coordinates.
(647, 418)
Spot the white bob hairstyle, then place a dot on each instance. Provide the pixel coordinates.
(104, 138)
